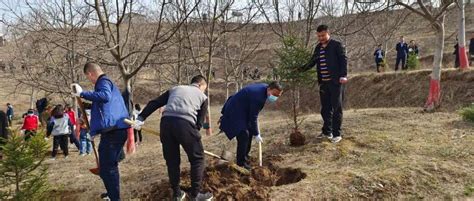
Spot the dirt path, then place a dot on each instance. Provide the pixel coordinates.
(385, 153)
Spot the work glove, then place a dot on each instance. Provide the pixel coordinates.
(77, 91)
(22, 131)
(259, 138)
(46, 139)
(138, 125)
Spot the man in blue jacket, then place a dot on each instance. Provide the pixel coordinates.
(331, 61)
(107, 119)
(402, 52)
(10, 114)
(240, 116)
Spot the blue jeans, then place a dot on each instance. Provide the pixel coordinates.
(110, 146)
(86, 146)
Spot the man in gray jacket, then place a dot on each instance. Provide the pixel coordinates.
(183, 117)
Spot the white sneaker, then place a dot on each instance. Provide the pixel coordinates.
(83, 154)
(336, 139)
(66, 157)
(322, 135)
(203, 197)
(180, 197)
(53, 158)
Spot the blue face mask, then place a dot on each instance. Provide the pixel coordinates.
(272, 98)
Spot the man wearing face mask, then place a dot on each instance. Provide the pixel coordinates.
(240, 116)
(183, 117)
(331, 61)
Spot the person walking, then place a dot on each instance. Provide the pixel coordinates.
(379, 55)
(60, 127)
(10, 114)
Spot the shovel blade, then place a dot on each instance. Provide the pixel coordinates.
(94, 171)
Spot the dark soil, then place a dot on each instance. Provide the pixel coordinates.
(297, 139)
(227, 184)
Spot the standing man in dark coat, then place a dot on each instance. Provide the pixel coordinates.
(331, 62)
(402, 53)
(183, 117)
(240, 116)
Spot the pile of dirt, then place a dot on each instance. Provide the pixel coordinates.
(297, 139)
(227, 184)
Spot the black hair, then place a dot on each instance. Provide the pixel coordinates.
(137, 107)
(58, 111)
(275, 85)
(198, 79)
(322, 28)
(90, 67)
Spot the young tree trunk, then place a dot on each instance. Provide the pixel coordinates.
(462, 37)
(435, 86)
(32, 98)
(128, 94)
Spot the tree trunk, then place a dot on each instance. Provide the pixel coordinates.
(128, 94)
(435, 86)
(463, 61)
(32, 98)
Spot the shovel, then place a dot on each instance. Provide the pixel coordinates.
(86, 120)
(222, 159)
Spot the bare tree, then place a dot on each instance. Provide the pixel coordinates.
(462, 37)
(436, 16)
(130, 44)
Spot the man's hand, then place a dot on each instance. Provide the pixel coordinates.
(138, 125)
(343, 80)
(259, 138)
(76, 89)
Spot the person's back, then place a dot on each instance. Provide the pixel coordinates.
(184, 102)
(60, 126)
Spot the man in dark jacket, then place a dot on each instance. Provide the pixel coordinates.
(331, 61)
(471, 51)
(10, 114)
(107, 119)
(402, 52)
(3, 126)
(183, 117)
(240, 116)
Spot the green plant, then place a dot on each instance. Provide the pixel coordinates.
(467, 113)
(292, 55)
(412, 61)
(23, 175)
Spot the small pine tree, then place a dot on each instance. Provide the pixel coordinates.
(412, 61)
(467, 113)
(293, 55)
(23, 175)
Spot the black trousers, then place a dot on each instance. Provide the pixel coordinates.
(176, 131)
(29, 134)
(403, 60)
(138, 135)
(244, 144)
(331, 95)
(60, 141)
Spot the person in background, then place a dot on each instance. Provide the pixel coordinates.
(471, 50)
(10, 114)
(72, 116)
(86, 145)
(457, 63)
(30, 124)
(379, 55)
(138, 133)
(402, 52)
(60, 127)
